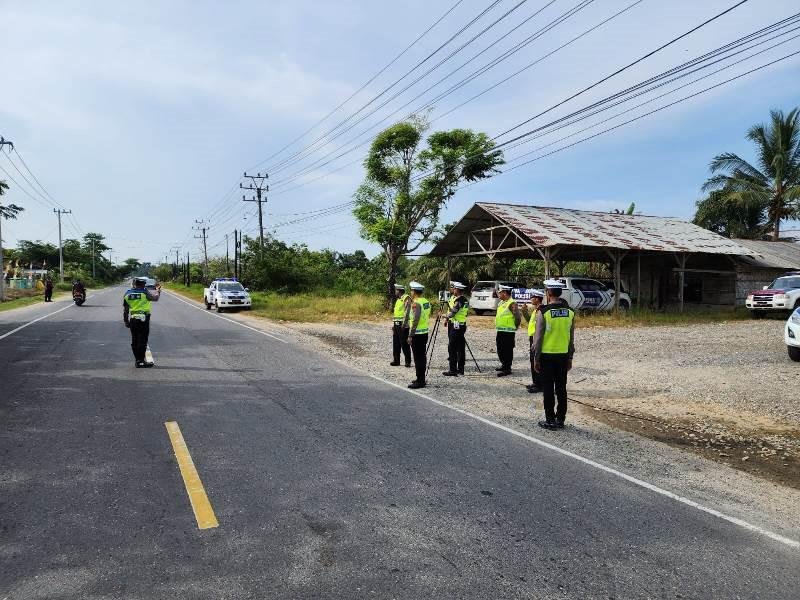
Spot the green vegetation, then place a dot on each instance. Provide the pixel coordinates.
(750, 201)
(651, 318)
(406, 187)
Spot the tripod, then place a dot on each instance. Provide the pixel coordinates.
(432, 341)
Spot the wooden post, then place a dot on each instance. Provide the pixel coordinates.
(449, 269)
(639, 278)
(547, 263)
(681, 279)
(617, 284)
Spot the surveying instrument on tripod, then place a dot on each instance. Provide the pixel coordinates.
(453, 308)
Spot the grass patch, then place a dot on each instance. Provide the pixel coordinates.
(651, 318)
(306, 308)
(25, 300)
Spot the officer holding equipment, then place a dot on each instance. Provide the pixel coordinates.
(456, 329)
(418, 332)
(552, 349)
(402, 305)
(136, 314)
(507, 320)
(536, 301)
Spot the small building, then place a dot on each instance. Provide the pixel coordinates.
(661, 261)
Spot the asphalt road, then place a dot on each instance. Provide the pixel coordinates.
(326, 483)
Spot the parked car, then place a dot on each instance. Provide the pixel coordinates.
(484, 295)
(226, 293)
(792, 335)
(582, 293)
(783, 294)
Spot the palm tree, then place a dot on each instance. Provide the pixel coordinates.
(775, 183)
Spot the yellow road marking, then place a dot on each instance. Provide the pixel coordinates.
(203, 511)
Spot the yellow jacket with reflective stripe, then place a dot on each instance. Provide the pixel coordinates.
(461, 315)
(558, 326)
(138, 302)
(424, 315)
(400, 307)
(504, 319)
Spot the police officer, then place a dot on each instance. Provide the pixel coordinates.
(506, 320)
(402, 305)
(552, 349)
(536, 301)
(136, 314)
(420, 313)
(456, 329)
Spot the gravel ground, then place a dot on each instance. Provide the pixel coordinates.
(724, 385)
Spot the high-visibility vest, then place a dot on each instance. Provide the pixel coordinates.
(424, 315)
(504, 319)
(532, 324)
(138, 302)
(558, 325)
(461, 315)
(400, 307)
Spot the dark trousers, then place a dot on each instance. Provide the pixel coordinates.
(554, 384)
(140, 332)
(536, 378)
(419, 344)
(48, 294)
(456, 347)
(505, 348)
(400, 342)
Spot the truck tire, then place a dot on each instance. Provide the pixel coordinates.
(219, 308)
(794, 353)
(623, 305)
(208, 304)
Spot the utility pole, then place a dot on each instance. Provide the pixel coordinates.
(203, 228)
(257, 185)
(3, 142)
(188, 271)
(93, 271)
(59, 212)
(236, 253)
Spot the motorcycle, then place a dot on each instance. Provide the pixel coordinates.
(78, 297)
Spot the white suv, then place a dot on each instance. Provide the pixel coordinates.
(226, 293)
(792, 335)
(484, 295)
(783, 294)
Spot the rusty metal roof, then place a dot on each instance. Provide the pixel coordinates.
(547, 227)
(773, 255)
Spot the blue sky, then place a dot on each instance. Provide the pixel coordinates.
(140, 117)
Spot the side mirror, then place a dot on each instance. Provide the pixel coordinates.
(766, 287)
(246, 289)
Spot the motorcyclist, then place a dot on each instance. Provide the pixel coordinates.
(77, 286)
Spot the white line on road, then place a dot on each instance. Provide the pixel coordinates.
(55, 312)
(587, 461)
(235, 322)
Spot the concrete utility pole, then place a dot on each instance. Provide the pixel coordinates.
(3, 142)
(236, 253)
(257, 186)
(59, 212)
(203, 228)
(93, 276)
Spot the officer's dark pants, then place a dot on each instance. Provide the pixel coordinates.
(536, 378)
(419, 345)
(554, 384)
(400, 342)
(140, 332)
(505, 348)
(456, 347)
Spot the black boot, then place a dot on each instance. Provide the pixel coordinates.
(548, 424)
(450, 373)
(415, 385)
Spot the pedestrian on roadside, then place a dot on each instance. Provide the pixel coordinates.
(536, 301)
(552, 349)
(507, 320)
(456, 320)
(420, 313)
(48, 289)
(136, 315)
(402, 306)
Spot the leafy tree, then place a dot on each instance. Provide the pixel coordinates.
(10, 211)
(132, 264)
(406, 187)
(773, 186)
(745, 219)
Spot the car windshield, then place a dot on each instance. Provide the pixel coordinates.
(513, 284)
(230, 286)
(786, 283)
(483, 286)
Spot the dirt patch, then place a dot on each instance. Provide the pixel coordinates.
(773, 454)
(352, 347)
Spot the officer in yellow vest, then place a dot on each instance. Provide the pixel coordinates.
(402, 305)
(552, 349)
(136, 314)
(456, 329)
(507, 320)
(536, 301)
(418, 332)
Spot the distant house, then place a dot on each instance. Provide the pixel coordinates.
(661, 261)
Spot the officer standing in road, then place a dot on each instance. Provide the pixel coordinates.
(418, 332)
(552, 349)
(402, 305)
(536, 301)
(507, 320)
(136, 314)
(456, 329)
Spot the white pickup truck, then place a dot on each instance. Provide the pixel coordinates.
(583, 293)
(226, 293)
(782, 295)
